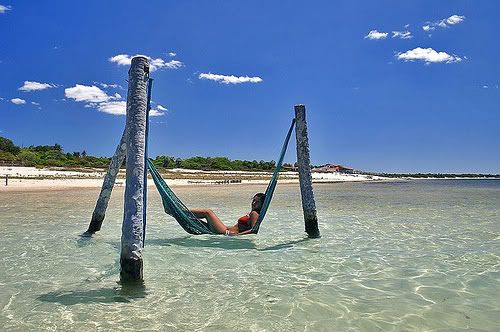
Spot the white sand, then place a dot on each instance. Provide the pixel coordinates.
(31, 178)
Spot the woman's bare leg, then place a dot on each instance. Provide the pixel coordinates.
(213, 221)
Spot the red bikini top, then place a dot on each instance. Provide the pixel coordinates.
(244, 223)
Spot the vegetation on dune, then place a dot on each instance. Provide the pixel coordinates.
(214, 163)
(54, 155)
(47, 155)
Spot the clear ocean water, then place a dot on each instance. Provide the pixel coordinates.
(415, 256)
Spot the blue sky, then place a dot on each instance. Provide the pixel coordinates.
(393, 86)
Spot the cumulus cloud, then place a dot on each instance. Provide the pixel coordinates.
(155, 112)
(444, 23)
(96, 98)
(161, 108)
(113, 107)
(3, 8)
(160, 63)
(18, 101)
(428, 28)
(35, 103)
(402, 34)
(229, 79)
(172, 54)
(120, 108)
(427, 55)
(455, 19)
(121, 59)
(375, 35)
(154, 64)
(34, 86)
(91, 94)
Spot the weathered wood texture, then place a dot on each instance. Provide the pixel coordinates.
(131, 261)
(107, 186)
(305, 179)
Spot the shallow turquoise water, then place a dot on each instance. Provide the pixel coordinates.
(420, 255)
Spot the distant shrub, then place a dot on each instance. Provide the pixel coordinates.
(7, 145)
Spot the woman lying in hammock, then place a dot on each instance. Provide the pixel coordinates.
(244, 224)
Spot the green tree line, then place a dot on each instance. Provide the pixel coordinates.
(47, 155)
(54, 155)
(214, 163)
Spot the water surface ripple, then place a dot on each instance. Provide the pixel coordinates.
(420, 255)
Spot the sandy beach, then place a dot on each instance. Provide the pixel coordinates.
(31, 178)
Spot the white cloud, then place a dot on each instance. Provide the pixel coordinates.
(485, 87)
(3, 8)
(34, 86)
(444, 23)
(91, 94)
(35, 103)
(121, 59)
(18, 101)
(375, 35)
(113, 107)
(402, 34)
(428, 55)
(95, 98)
(160, 63)
(154, 64)
(161, 108)
(455, 19)
(172, 54)
(229, 79)
(120, 108)
(155, 112)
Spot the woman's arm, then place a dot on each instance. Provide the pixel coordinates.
(254, 216)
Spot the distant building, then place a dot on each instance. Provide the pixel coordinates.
(332, 168)
(289, 167)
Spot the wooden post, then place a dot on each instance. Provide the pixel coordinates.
(7, 179)
(305, 179)
(145, 198)
(132, 228)
(107, 186)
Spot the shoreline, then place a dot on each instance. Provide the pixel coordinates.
(27, 184)
(31, 178)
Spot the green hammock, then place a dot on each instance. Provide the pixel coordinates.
(193, 225)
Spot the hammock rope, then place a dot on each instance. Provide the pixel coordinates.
(188, 221)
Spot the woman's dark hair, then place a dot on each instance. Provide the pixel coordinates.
(261, 197)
